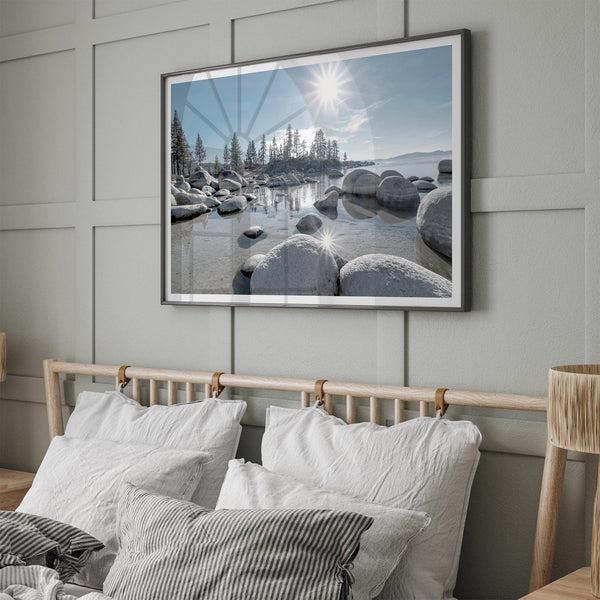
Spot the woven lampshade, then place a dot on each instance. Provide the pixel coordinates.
(574, 407)
(2, 356)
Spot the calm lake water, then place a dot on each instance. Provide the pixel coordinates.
(207, 252)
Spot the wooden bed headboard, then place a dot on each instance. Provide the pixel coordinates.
(323, 392)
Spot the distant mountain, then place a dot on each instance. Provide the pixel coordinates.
(417, 156)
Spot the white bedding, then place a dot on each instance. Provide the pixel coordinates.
(39, 583)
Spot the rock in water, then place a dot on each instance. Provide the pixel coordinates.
(397, 192)
(300, 265)
(209, 190)
(173, 201)
(391, 173)
(232, 205)
(254, 232)
(250, 197)
(181, 213)
(424, 186)
(202, 177)
(230, 184)
(426, 178)
(196, 192)
(184, 198)
(412, 178)
(309, 224)
(251, 263)
(445, 166)
(222, 192)
(387, 275)
(328, 202)
(333, 188)
(434, 220)
(350, 179)
(335, 173)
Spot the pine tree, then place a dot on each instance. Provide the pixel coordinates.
(180, 148)
(335, 151)
(226, 157)
(199, 151)
(320, 145)
(329, 151)
(262, 153)
(237, 160)
(296, 145)
(273, 150)
(303, 149)
(345, 157)
(217, 168)
(288, 143)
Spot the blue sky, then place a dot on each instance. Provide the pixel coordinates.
(376, 107)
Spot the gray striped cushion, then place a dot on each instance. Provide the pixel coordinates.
(30, 539)
(174, 549)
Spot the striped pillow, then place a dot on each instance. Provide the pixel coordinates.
(175, 549)
(33, 540)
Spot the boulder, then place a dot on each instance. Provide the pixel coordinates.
(397, 192)
(434, 220)
(201, 177)
(195, 192)
(251, 263)
(387, 275)
(222, 192)
(445, 166)
(391, 173)
(426, 178)
(174, 190)
(250, 197)
(367, 184)
(309, 224)
(173, 201)
(335, 173)
(183, 185)
(230, 184)
(232, 176)
(311, 180)
(232, 205)
(351, 178)
(254, 232)
(209, 190)
(211, 202)
(412, 178)
(445, 178)
(328, 201)
(333, 188)
(184, 198)
(300, 266)
(430, 259)
(181, 213)
(424, 186)
(177, 178)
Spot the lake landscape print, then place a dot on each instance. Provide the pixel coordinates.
(319, 180)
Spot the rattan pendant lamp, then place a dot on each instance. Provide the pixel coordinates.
(574, 424)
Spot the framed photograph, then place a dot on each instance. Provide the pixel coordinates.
(333, 179)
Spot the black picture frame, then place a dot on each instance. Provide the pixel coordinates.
(186, 244)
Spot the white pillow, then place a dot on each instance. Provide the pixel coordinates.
(79, 482)
(382, 546)
(211, 425)
(425, 464)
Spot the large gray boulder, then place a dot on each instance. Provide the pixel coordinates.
(209, 190)
(222, 192)
(424, 186)
(328, 201)
(387, 275)
(181, 213)
(335, 173)
(426, 178)
(391, 173)
(182, 185)
(333, 188)
(211, 202)
(251, 263)
(350, 179)
(232, 205)
(445, 166)
(397, 192)
(366, 184)
(300, 266)
(201, 177)
(309, 224)
(232, 175)
(412, 178)
(230, 184)
(185, 198)
(434, 220)
(173, 201)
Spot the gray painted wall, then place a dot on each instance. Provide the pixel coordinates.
(79, 228)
